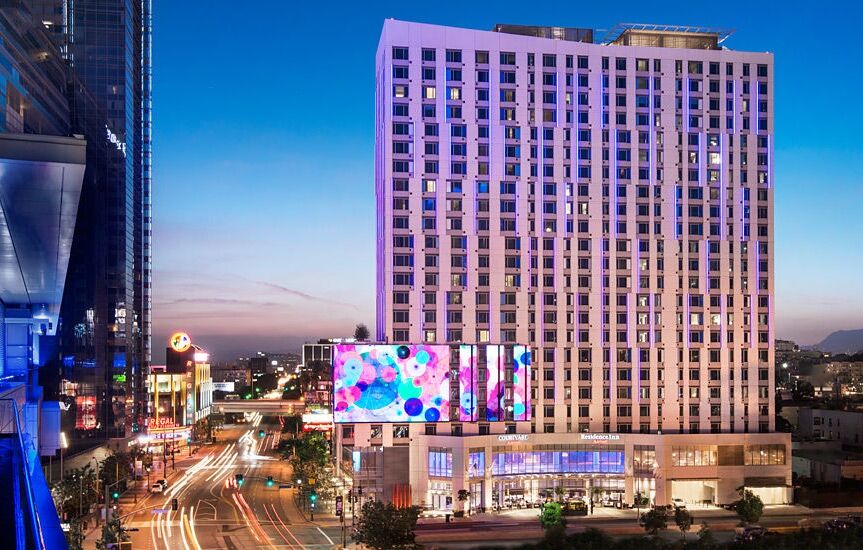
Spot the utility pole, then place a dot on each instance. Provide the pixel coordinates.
(344, 533)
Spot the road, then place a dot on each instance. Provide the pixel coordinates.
(213, 512)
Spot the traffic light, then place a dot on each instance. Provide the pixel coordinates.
(174, 504)
(115, 495)
(189, 439)
(313, 498)
(239, 479)
(269, 481)
(260, 433)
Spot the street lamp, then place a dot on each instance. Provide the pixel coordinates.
(97, 480)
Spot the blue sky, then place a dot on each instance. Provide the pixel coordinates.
(263, 140)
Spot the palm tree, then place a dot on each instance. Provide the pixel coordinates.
(463, 496)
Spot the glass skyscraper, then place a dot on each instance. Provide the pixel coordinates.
(105, 318)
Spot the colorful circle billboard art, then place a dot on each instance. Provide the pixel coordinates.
(391, 383)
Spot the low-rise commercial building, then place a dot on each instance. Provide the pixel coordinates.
(181, 391)
(843, 426)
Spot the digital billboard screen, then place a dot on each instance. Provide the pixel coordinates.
(391, 383)
(467, 382)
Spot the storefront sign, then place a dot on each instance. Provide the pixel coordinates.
(513, 437)
(114, 140)
(600, 437)
(161, 422)
(180, 342)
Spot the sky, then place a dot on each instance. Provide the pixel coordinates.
(264, 142)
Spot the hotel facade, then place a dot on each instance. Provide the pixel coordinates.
(608, 203)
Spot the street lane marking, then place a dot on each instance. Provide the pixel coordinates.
(279, 531)
(283, 524)
(325, 535)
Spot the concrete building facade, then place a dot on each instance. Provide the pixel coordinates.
(610, 204)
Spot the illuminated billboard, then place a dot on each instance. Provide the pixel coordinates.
(494, 385)
(391, 383)
(411, 383)
(467, 383)
(85, 417)
(521, 383)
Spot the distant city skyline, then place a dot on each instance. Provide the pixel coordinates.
(263, 193)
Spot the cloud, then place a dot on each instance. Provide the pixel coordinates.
(303, 295)
(216, 301)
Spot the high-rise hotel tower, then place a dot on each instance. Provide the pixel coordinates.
(610, 204)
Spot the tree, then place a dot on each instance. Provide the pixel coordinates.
(115, 467)
(683, 519)
(267, 382)
(361, 333)
(558, 492)
(591, 539)
(551, 516)
(383, 526)
(310, 459)
(654, 521)
(463, 495)
(75, 493)
(75, 535)
(749, 508)
(112, 532)
(705, 537)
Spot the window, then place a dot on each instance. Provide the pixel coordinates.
(764, 455)
(693, 455)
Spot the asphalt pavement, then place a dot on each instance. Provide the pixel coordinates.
(214, 511)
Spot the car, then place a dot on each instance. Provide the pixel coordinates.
(856, 520)
(678, 503)
(810, 523)
(838, 525)
(156, 488)
(749, 533)
(575, 508)
(163, 483)
(731, 506)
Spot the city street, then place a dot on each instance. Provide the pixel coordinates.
(213, 512)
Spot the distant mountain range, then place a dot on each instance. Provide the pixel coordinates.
(841, 341)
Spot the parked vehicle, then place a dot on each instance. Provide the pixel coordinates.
(856, 520)
(810, 523)
(575, 508)
(731, 506)
(163, 483)
(839, 524)
(678, 503)
(749, 533)
(156, 488)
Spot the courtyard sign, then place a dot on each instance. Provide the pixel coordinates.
(513, 437)
(600, 437)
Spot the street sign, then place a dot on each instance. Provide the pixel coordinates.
(339, 506)
(284, 486)
(65, 527)
(311, 481)
(160, 510)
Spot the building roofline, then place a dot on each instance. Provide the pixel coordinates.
(721, 34)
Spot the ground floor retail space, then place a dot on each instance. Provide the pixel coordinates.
(510, 471)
